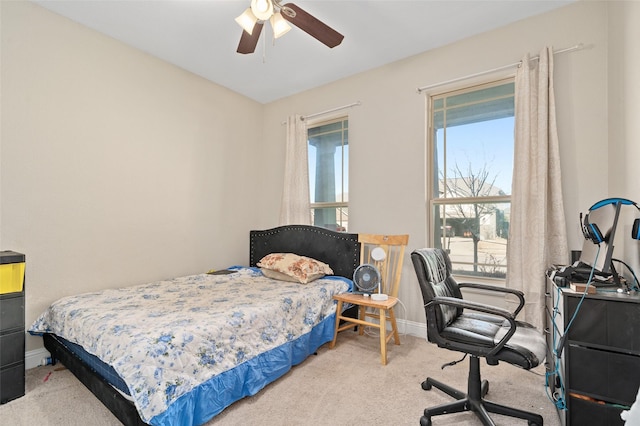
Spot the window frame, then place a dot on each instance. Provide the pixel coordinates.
(432, 181)
(345, 189)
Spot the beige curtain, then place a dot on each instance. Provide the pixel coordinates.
(296, 208)
(537, 234)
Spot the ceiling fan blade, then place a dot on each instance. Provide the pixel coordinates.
(248, 42)
(312, 26)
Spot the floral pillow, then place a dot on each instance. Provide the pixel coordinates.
(291, 267)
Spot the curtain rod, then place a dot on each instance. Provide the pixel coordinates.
(317, 114)
(504, 67)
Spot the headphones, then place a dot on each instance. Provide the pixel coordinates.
(591, 231)
(635, 230)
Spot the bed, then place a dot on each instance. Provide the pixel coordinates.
(177, 352)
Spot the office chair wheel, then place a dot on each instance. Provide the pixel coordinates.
(425, 421)
(426, 385)
(532, 423)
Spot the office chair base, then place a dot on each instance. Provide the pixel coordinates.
(473, 400)
(427, 384)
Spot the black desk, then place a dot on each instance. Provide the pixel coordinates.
(600, 363)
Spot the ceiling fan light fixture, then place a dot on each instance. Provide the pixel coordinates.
(262, 9)
(253, 19)
(247, 20)
(279, 25)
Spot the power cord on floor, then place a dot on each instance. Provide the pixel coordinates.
(371, 331)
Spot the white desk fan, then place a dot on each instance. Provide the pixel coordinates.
(367, 276)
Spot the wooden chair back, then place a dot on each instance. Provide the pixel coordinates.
(391, 267)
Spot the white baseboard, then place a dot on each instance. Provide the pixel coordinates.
(33, 359)
(412, 328)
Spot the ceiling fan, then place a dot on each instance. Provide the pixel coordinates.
(278, 14)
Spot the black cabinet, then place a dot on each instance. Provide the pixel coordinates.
(600, 362)
(12, 336)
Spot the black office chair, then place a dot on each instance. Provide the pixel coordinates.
(476, 329)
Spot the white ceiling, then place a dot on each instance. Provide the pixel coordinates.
(201, 36)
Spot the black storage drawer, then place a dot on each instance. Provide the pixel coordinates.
(11, 348)
(601, 357)
(605, 322)
(608, 375)
(11, 382)
(12, 312)
(12, 337)
(583, 412)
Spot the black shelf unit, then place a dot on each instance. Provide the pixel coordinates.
(12, 336)
(600, 362)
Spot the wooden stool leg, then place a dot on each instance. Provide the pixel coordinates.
(394, 327)
(335, 332)
(361, 316)
(383, 336)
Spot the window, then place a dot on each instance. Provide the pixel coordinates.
(329, 174)
(471, 142)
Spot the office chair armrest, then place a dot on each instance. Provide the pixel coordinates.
(481, 307)
(475, 306)
(519, 294)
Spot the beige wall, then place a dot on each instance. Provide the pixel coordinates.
(387, 135)
(624, 115)
(117, 168)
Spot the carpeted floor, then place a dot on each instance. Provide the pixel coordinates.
(344, 386)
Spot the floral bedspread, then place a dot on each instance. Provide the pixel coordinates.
(167, 337)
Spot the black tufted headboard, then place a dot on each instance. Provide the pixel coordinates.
(341, 251)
